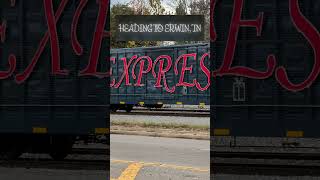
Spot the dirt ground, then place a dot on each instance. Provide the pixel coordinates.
(186, 133)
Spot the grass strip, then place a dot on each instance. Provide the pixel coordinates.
(160, 125)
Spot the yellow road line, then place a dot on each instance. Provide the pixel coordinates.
(131, 172)
(163, 165)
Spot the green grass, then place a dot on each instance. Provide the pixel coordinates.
(160, 125)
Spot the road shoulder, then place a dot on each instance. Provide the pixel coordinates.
(161, 131)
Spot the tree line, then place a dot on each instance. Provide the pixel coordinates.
(158, 7)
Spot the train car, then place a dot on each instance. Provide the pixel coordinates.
(153, 76)
(265, 90)
(43, 109)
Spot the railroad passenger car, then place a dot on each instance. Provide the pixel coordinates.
(153, 76)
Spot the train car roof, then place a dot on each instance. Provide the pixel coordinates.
(157, 47)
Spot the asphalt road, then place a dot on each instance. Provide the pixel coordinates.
(155, 158)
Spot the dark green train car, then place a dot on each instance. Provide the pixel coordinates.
(154, 76)
(41, 111)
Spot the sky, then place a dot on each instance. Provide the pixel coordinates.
(118, 1)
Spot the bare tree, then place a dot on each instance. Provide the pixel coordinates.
(156, 7)
(140, 7)
(202, 7)
(147, 7)
(182, 8)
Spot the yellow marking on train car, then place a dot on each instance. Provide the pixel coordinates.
(131, 172)
(39, 130)
(221, 132)
(179, 103)
(122, 102)
(101, 130)
(141, 103)
(295, 134)
(159, 103)
(201, 105)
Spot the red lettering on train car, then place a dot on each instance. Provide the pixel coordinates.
(236, 23)
(159, 68)
(213, 34)
(206, 71)
(53, 36)
(52, 19)
(113, 81)
(313, 37)
(162, 72)
(12, 57)
(141, 70)
(74, 39)
(55, 60)
(125, 73)
(302, 25)
(3, 29)
(99, 34)
(184, 68)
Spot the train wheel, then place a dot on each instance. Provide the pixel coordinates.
(61, 147)
(58, 156)
(11, 155)
(11, 148)
(129, 108)
(158, 106)
(114, 108)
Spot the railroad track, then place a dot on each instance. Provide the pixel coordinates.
(90, 151)
(97, 160)
(268, 155)
(265, 169)
(266, 163)
(166, 112)
(175, 110)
